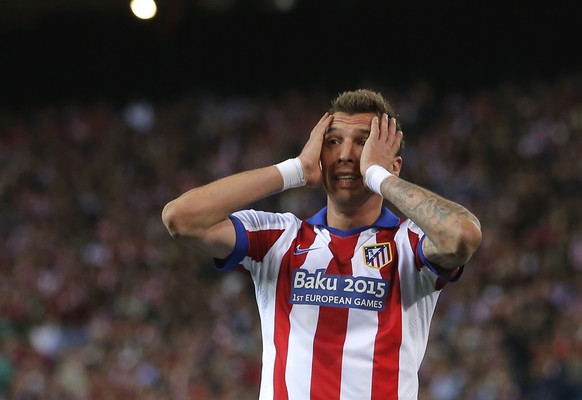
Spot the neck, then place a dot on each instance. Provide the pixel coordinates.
(349, 217)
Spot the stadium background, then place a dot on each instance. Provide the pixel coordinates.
(104, 118)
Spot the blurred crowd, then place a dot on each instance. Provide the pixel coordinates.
(97, 301)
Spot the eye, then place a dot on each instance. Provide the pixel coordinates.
(362, 142)
(333, 142)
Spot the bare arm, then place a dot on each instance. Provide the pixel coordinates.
(199, 217)
(452, 232)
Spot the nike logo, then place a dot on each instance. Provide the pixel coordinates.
(299, 250)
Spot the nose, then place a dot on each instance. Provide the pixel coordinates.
(347, 153)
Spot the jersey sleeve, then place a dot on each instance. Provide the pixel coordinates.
(256, 233)
(437, 277)
(240, 248)
(444, 275)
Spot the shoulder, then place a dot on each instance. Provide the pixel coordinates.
(256, 219)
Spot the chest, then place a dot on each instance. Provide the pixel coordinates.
(371, 253)
(355, 271)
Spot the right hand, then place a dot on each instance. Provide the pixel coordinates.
(311, 153)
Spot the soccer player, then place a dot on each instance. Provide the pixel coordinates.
(345, 297)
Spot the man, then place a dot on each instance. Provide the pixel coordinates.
(345, 297)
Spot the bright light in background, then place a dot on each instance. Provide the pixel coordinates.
(285, 5)
(144, 9)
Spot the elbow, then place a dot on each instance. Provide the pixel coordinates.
(169, 219)
(178, 223)
(468, 242)
(455, 245)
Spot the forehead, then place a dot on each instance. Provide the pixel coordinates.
(355, 121)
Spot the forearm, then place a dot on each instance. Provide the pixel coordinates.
(452, 231)
(199, 209)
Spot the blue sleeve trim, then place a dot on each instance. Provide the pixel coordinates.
(442, 273)
(241, 247)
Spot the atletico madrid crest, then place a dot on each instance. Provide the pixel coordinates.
(378, 255)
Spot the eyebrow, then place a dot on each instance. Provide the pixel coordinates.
(333, 129)
(362, 131)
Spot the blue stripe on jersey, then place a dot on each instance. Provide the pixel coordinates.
(386, 220)
(240, 250)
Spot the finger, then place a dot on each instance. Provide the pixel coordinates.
(375, 128)
(392, 125)
(397, 139)
(323, 124)
(384, 127)
(312, 148)
(399, 135)
(326, 119)
(391, 129)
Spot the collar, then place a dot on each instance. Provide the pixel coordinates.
(386, 220)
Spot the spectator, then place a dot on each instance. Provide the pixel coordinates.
(82, 250)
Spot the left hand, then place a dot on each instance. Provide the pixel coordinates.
(381, 147)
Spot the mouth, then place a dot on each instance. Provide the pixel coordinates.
(347, 178)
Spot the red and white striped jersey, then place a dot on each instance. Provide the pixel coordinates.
(344, 314)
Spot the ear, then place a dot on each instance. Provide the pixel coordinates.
(397, 165)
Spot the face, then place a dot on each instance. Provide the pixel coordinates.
(340, 157)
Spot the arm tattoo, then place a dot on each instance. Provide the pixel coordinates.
(437, 216)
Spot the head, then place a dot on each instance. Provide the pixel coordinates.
(343, 144)
(364, 101)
